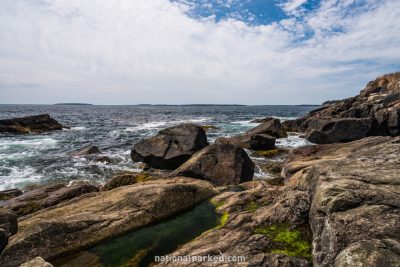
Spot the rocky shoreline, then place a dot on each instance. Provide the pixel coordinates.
(332, 204)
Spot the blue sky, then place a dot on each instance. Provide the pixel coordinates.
(194, 51)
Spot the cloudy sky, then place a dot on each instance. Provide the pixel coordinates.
(194, 51)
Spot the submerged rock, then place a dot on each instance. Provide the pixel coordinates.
(171, 147)
(30, 124)
(355, 209)
(272, 127)
(47, 196)
(220, 164)
(87, 220)
(255, 141)
(89, 150)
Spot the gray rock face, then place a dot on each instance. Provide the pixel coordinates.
(171, 147)
(272, 127)
(220, 164)
(355, 209)
(47, 196)
(341, 130)
(379, 102)
(255, 142)
(89, 219)
(31, 124)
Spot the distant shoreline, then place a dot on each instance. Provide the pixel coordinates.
(73, 104)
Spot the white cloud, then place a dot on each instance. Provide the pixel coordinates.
(127, 52)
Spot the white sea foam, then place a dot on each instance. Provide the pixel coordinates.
(18, 175)
(293, 140)
(27, 143)
(155, 125)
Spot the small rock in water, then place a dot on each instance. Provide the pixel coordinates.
(89, 150)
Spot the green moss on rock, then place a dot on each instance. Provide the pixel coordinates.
(252, 206)
(286, 241)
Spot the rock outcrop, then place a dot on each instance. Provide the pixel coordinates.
(379, 102)
(123, 179)
(272, 127)
(220, 164)
(47, 196)
(254, 142)
(267, 225)
(10, 193)
(87, 220)
(171, 147)
(355, 209)
(32, 124)
(36, 262)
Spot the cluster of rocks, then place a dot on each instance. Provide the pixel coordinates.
(30, 124)
(374, 112)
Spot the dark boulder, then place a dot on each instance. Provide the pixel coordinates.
(255, 142)
(88, 150)
(9, 194)
(262, 120)
(220, 164)
(341, 130)
(47, 196)
(271, 127)
(31, 124)
(170, 147)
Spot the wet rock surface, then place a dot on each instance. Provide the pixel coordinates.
(91, 218)
(219, 164)
(10, 193)
(171, 147)
(31, 124)
(88, 150)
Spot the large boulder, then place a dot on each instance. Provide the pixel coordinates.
(87, 220)
(220, 164)
(255, 142)
(47, 196)
(341, 130)
(272, 127)
(355, 192)
(30, 124)
(170, 147)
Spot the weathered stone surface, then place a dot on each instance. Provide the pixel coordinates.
(89, 150)
(245, 215)
(220, 164)
(355, 210)
(170, 147)
(262, 120)
(89, 219)
(341, 130)
(379, 101)
(47, 196)
(255, 142)
(271, 127)
(36, 262)
(10, 193)
(31, 124)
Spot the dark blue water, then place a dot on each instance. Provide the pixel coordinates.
(42, 158)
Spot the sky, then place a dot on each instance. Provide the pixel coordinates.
(255, 52)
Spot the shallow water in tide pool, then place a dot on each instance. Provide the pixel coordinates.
(139, 248)
(42, 158)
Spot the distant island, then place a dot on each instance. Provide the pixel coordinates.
(73, 104)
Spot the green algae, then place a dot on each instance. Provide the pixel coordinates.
(286, 241)
(252, 206)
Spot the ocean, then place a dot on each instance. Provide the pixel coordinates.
(44, 159)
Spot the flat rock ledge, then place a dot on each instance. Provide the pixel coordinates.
(31, 124)
(92, 218)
